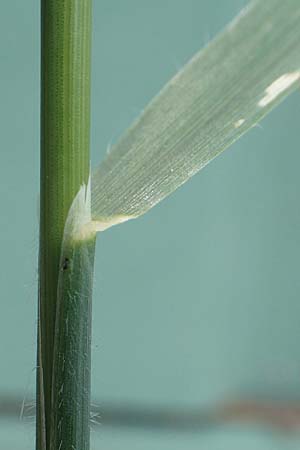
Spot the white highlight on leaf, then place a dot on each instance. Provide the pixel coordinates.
(239, 123)
(239, 16)
(278, 86)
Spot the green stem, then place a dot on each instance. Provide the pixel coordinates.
(65, 167)
(72, 349)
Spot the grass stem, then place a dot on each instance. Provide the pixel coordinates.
(65, 167)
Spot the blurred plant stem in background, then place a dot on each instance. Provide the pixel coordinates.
(283, 415)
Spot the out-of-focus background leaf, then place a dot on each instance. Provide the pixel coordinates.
(192, 305)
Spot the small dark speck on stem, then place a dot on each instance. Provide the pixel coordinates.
(65, 264)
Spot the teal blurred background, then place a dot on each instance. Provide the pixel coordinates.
(195, 303)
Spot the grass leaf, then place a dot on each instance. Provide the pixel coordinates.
(220, 94)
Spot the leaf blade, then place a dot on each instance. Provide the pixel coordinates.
(218, 96)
